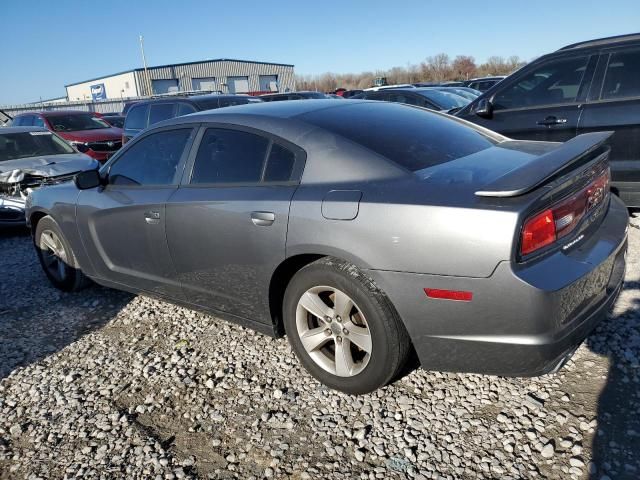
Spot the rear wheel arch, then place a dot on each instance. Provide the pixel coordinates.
(279, 282)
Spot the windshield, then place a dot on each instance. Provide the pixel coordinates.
(74, 122)
(31, 144)
(115, 121)
(445, 100)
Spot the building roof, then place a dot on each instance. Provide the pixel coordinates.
(179, 65)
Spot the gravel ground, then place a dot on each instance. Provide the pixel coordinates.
(103, 384)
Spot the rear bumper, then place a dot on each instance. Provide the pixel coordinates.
(523, 320)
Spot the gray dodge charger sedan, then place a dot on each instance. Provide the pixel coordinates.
(364, 231)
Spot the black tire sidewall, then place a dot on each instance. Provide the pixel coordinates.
(72, 277)
(383, 361)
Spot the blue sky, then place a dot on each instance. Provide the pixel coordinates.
(45, 45)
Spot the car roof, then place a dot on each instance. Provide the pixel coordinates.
(599, 42)
(22, 130)
(282, 94)
(266, 109)
(51, 113)
(184, 98)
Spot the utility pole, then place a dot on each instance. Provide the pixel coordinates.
(146, 70)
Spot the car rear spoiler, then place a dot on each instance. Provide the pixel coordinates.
(535, 173)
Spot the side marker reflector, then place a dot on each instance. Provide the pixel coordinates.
(458, 295)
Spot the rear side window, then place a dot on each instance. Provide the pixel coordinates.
(151, 161)
(160, 111)
(622, 79)
(411, 137)
(553, 83)
(185, 109)
(228, 102)
(137, 117)
(279, 164)
(229, 156)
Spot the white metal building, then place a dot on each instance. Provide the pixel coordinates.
(225, 75)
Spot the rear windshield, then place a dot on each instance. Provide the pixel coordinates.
(412, 137)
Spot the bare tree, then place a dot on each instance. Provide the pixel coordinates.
(463, 67)
(438, 68)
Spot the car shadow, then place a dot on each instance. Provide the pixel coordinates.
(616, 442)
(37, 320)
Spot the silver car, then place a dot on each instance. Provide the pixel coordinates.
(364, 231)
(31, 157)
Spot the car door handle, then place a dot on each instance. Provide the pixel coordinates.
(152, 217)
(552, 121)
(263, 219)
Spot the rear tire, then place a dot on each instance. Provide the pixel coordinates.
(354, 341)
(57, 258)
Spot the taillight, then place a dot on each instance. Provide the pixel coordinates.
(538, 232)
(546, 227)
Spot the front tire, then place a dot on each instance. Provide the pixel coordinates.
(57, 258)
(342, 328)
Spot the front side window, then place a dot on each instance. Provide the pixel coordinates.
(76, 122)
(622, 79)
(31, 144)
(553, 83)
(151, 161)
(229, 156)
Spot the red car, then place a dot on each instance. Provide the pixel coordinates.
(85, 131)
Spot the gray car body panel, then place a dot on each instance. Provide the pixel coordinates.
(407, 231)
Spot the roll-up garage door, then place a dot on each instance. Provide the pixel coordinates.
(165, 86)
(204, 83)
(238, 84)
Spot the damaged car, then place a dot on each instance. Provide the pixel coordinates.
(31, 157)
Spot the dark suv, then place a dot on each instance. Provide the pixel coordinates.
(583, 87)
(147, 112)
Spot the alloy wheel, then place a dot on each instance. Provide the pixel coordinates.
(54, 255)
(333, 331)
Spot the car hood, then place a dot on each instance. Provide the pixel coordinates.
(97, 135)
(12, 171)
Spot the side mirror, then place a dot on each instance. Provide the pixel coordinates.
(484, 108)
(88, 179)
